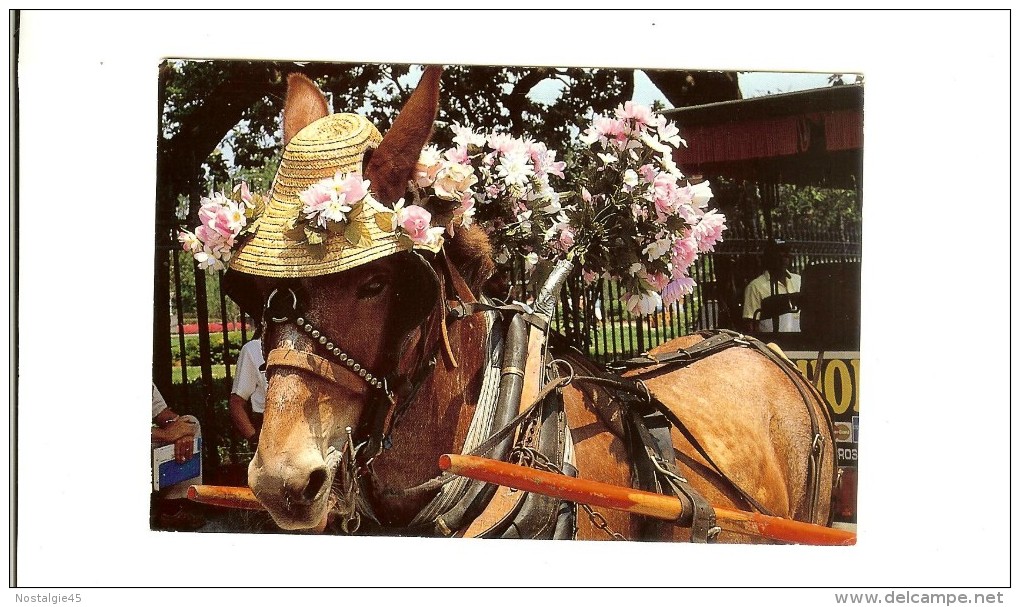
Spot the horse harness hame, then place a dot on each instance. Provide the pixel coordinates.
(542, 435)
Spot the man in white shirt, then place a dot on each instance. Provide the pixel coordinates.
(775, 280)
(248, 395)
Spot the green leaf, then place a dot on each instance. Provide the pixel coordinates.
(295, 228)
(357, 234)
(385, 220)
(356, 211)
(313, 237)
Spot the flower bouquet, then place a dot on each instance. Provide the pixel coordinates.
(630, 216)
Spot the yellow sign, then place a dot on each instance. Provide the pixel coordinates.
(839, 380)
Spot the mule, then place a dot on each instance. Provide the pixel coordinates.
(318, 456)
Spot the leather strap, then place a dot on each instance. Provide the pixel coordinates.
(648, 431)
(312, 363)
(465, 309)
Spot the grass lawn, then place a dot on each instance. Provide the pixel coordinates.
(218, 371)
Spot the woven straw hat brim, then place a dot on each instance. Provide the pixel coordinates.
(336, 143)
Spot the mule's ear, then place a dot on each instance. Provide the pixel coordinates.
(391, 164)
(305, 104)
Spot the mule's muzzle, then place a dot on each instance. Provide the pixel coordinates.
(295, 491)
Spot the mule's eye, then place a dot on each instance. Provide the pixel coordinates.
(372, 287)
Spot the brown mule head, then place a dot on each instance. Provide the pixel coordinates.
(311, 403)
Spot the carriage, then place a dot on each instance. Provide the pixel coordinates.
(405, 399)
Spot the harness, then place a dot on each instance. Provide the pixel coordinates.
(717, 341)
(535, 435)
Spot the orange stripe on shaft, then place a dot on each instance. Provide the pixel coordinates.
(635, 501)
(228, 497)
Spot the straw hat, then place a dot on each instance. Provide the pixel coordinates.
(337, 142)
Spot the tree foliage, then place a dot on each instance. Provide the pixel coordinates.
(235, 106)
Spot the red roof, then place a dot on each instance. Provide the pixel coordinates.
(810, 137)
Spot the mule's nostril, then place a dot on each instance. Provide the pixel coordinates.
(315, 482)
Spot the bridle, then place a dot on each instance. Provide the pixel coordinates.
(329, 345)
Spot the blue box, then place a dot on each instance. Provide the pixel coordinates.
(166, 471)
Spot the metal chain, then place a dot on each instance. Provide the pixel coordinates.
(535, 459)
(600, 523)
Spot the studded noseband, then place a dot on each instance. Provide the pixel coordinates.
(345, 360)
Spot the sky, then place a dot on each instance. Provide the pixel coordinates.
(752, 84)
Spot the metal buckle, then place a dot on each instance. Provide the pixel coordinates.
(558, 362)
(269, 303)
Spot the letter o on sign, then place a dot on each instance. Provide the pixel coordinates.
(841, 399)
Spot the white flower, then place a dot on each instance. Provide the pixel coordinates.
(191, 242)
(552, 204)
(590, 136)
(454, 180)
(515, 169)
(702, 194)
(467, 218)
(434, 236)
(530, 261)
(524, 219)
(669, 133)
(654, 143)
(638, 211)
(657, 249)
(466, 136)
(607, 158)
(630, 179)
(334, 210)
(666, 160)
(644, 303)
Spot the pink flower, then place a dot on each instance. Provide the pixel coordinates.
(429, 163)
(685, 251)
(505, 144)
(466, 212)
(648, 172)
(588, 276)
(350, 188)
(677, 289)
(245, 192)
(415, 221)
(556, 168)
(657, 281)
(190, 242)
(567, 238)
(665, 195)
(709, 230)
(316, 196)
(640, 114)
(458, 155)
